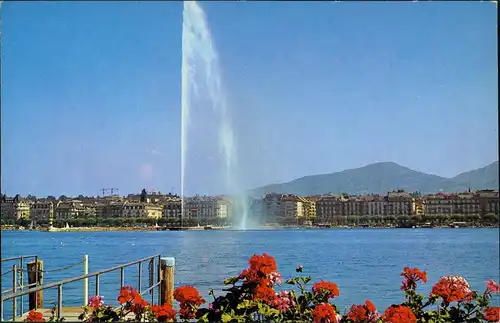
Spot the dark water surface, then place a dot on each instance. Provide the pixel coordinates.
(365, 263)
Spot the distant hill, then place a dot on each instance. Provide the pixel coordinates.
(486, 177)
(383, 177)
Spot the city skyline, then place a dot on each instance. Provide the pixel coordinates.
(86, 106)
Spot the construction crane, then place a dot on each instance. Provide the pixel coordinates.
(108, 190)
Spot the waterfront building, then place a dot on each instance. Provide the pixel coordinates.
(399, 203)
(446, 204)
(374, 205)
(172, 207)
(141, 210)
(352, 205)
(109, 210)
(328, 207)
(42, 211)
(418, 207)
(272, 207)
(488, 201)
(291, 207)
(69, 210)
(309, 205)
(206, 208)
(15, 208)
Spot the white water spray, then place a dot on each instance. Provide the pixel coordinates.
(201, 77)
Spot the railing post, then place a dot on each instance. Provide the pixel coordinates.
(59, 301)
(167, 266)
(86, 280)
(122, 277)
(96, 285)
(139, 282)
(21, 278)
(14, 289)
(35, 279)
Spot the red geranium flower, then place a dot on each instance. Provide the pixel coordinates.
(188, 295)
(357, 313)
(251, 276)
(34, 316)
(265, 293)
(130, 297)
(492, 314)
(370, 306)
(321, 286)
(492, 287)
(363, 313)
(324, 313)
(265, 264)
(399, 314)
(452, 289)
(411, 277)
(164, 313)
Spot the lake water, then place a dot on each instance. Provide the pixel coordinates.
(365, 263)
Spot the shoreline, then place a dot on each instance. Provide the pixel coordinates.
(137, 229)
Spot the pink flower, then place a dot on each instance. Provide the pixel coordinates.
(492, 287)
(96, 301)
(404, 285)
(275, 278)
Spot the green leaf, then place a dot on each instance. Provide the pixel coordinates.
(231, 280)
(306, 279)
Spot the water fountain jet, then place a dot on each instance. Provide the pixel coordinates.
(201, 75)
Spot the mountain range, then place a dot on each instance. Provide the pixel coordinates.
(380, 178)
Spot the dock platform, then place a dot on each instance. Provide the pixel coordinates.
(69, 313)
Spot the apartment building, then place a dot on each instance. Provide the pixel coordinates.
(399, 203)
(488, 201)
(42, 211)
(172, 207)
(69, 210)
(141, 210)
(272, 207)
(445, 204)
(15, 208)
(109, 210)
(291, 207)
(328, 207)
(353, 206)
(374, 205)
(309, 205)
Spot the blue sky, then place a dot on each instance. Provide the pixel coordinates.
(91, 91)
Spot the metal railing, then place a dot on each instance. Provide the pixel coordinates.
(59, 284)
(17, 281)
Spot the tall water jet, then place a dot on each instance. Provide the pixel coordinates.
(201, 78)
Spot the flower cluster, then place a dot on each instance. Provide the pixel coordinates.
(164, 313)
(452, 289)
(399, 314)
(252, 298)
(363, 313)
(189, 299)
(325, 313)
(283, 301)
(411, 277)
(96, 301)
(492, 287)
(34, 316)
(492, 314)
(328, 289)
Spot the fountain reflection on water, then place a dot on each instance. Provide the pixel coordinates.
(201, 78)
